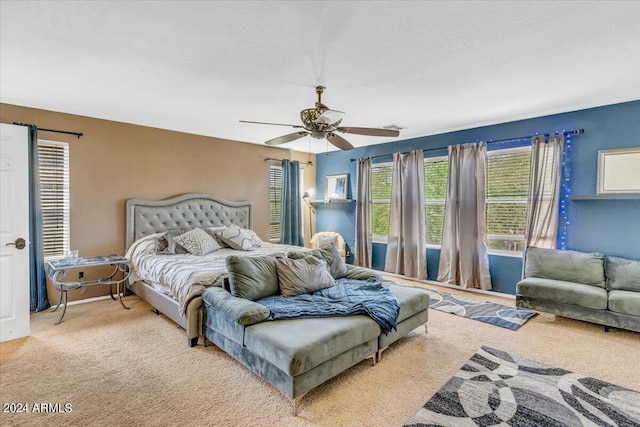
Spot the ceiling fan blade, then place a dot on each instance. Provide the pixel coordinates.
(265, 123)
(369, 131)
(329, 117)
(339, 141)
(286, 138)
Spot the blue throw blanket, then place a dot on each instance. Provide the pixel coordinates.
(346, 298)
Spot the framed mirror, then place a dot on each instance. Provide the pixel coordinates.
(335, 187)
(619, 171)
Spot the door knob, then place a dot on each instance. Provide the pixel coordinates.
(19, 243)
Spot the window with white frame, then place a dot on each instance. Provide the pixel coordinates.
(507, 192)
(53, 158)
(380, 181)
(275, 202)
(435, 194)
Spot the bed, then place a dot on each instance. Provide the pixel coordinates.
(173, 284)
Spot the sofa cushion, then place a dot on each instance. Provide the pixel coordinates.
(298, 345)
(625, 302)
(302, 276)
(587, 296)
(331, 255)
(623, 274)
(568, 266)
(412, 300)
(252, 278)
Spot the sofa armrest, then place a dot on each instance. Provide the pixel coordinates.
(361, 273)
(242, 311)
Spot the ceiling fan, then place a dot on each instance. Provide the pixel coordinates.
(321, 122)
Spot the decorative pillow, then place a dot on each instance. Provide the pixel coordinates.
(172, 246)
(236, 238)
(252, 277)
(197, 242)
(213, 232)
(302, 276)
(330, 254)
(257, 242)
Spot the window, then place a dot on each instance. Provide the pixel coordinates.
(53, 160)
(507, 190)
(435, 195)
(435, 190)
(380, 181)
(275, 201)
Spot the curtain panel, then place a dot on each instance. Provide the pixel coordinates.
(406, 242)
(364, 236)
(463, 258)
(544, 192)
(291, 208)
(38, 279)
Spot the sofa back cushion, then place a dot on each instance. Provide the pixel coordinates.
(623, 274)
(568, 266)
(252, 278)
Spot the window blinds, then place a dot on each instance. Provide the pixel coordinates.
(54, 191)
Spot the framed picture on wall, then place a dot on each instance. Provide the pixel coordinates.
(619, 171)
(336, 187)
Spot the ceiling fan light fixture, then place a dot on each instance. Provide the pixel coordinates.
(322, 123)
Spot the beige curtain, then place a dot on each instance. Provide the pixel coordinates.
(463, 257)
(544, 192)
(363, 214)
(406, 243)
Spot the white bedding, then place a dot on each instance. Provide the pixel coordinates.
(186, 276)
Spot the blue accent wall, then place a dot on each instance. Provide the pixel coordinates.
(608, 226)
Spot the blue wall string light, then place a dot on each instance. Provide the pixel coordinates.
(565, 192)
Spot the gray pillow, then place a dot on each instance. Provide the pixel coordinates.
(330, 254)
(252, 278)
(623, 274)
(302, 276)
(172, 246)
(197, 242)
(236, 238)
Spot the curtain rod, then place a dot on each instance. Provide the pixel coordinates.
(270, 159)
(78, 134)
(571, 132)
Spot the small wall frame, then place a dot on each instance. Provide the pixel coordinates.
(336, 187)
(619, 171)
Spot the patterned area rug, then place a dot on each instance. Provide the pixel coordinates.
(484, 311)
(496, 388)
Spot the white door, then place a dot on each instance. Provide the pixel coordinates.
(14, 225)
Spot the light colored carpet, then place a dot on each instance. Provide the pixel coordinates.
(121, 367)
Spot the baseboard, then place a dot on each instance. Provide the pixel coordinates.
(445, 285)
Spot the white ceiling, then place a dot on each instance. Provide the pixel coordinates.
(428, 66)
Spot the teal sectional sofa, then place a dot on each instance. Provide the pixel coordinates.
(584, 286)
(297, 355)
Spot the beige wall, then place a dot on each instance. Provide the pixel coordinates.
(116, 161)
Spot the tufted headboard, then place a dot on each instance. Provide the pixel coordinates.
(184, 212)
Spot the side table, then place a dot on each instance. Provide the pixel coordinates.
(57, 271)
